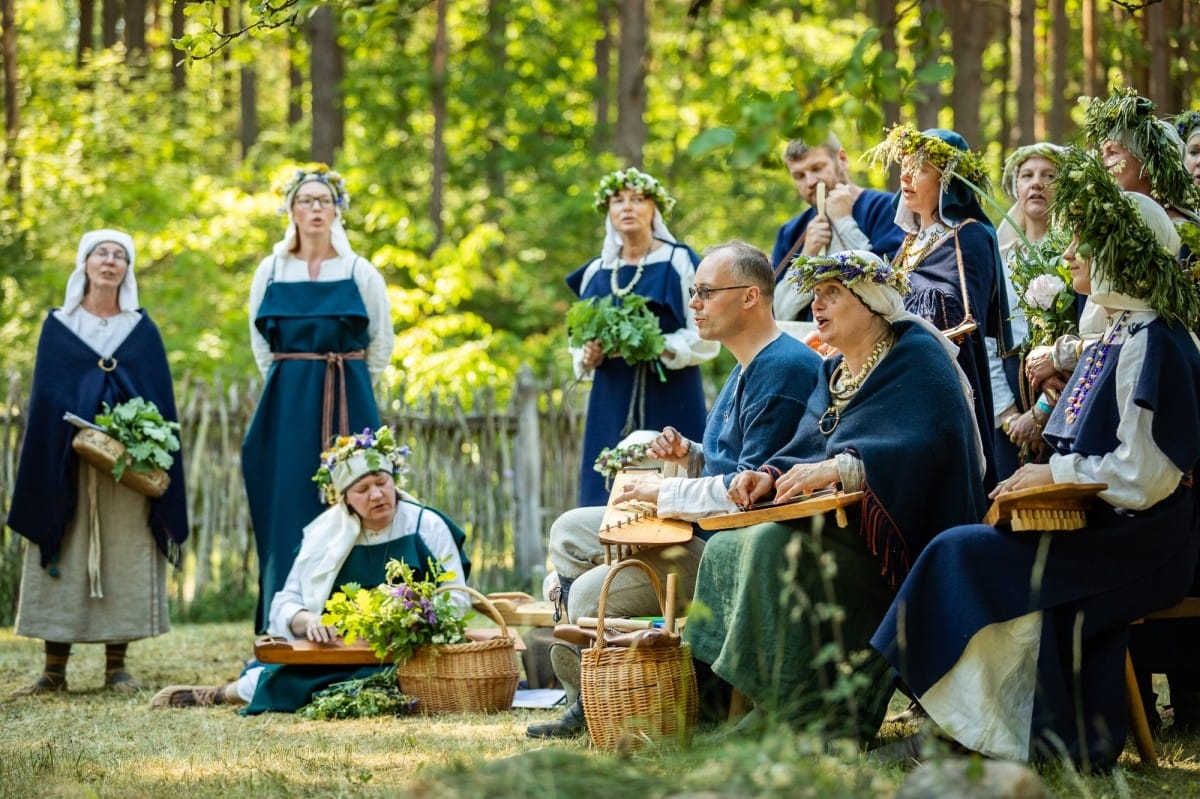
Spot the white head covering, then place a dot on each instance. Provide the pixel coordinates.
(1127, 137)
(337, 233)
(1167, 236)
(611, 250)
(127, 298)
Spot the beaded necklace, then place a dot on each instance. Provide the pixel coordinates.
(917, 245)
(617, 289)
(1093, 365)
(843, 385)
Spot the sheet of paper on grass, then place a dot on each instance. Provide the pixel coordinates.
(540, 697)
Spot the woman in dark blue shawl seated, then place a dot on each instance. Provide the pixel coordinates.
(1014, 643)
(891, 417)
(371, 522)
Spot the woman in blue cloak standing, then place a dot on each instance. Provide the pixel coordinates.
(321, 331)
(639, 256)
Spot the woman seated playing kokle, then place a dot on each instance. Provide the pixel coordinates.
(370, 523)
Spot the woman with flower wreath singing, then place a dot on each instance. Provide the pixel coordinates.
(1014, 642)
(910, 445)
(639, 257)
(321, 331)
(370, 522)
(950, 253)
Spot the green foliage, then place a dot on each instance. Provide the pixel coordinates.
(361, 698)
(148, 438)
(622, 325)
(528, 135)
(1044, 290)
(397, 618)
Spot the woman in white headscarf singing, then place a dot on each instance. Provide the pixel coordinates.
(96, 564)
(321, 331)
(640, 257)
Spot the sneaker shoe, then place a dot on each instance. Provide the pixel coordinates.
(189, 696)
(42, 685)
(571, 725)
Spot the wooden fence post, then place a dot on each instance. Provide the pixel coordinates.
(529, 557)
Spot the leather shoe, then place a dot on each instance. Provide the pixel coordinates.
(571, 725)
(907, 751)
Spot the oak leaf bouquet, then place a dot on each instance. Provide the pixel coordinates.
(624, 326)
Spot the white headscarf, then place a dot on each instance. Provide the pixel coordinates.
(1127, 139)
(611, 250)
(337, 233)
(127, 298)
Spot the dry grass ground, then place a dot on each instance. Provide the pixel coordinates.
(91, 743)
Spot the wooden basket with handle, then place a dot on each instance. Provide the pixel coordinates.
(103, 451)
(632, 695)
(472, 677)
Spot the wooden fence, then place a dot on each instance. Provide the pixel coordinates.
(503, 473)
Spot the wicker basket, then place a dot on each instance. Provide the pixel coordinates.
(103, 451)
(474, 677)
(637, 695)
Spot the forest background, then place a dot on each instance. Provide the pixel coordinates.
(472, 135)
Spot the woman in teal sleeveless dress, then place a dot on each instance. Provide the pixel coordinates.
(371, 522)
(322, 335)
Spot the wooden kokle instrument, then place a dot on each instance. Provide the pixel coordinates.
(277, 649)
(630, 526)
(811, 505)
(1052, 507)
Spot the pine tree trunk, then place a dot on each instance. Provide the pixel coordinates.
(631, 82)
(438, 101)
(326, 100)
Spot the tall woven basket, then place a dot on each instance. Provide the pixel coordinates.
(637, 695)
(474, 677)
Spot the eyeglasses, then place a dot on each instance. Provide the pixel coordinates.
(116, 255)
(316, 202)
(705, 292)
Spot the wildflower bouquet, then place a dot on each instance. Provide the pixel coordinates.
(625, 326)
(398, 617)
(148, 438)
(1044, 291)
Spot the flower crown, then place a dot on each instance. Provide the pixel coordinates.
(1124, 111)
(351, 457)
(631, 178)
(848, 268)
(1186, 123)
(903, 141)
(320, 173)
(1121, 246)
